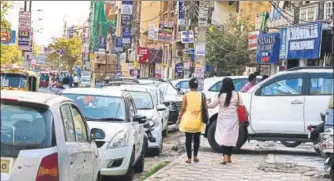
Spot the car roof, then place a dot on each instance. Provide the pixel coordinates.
(209, 82)
(94, 91)
(33, 97)
(139, 88)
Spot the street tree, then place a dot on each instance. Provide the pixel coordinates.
(227, 47)
(5, 6)
(10, 54)
(72, 52)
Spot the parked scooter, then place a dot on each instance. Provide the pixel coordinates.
(328, 149)
(315, 131)
(326, 135)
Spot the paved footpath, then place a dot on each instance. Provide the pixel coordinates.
(246, 166)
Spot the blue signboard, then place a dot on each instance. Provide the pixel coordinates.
(179, 68)
(181, 15)
(8, 37)
(304, 41)
(127, 31)
(283, 50)
(24, 38)
(119, 44)
(268, 48)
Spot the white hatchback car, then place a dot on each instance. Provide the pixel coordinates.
(145, 106)
(122, 150)
(44, 137)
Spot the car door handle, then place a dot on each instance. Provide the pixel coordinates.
(296, 102)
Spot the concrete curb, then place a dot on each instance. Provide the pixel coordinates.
(169, 166)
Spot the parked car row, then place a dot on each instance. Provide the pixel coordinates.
(103, 132)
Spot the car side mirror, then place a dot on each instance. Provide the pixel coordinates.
(178, 89)
(166, 103)
(161, 107)
(140, 119)
(323, 116)
(97, 133)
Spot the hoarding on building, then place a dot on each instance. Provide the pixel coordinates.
(8, 37)
(24, 31)
(166, 30)
(143, 54)
(268, 48)
(304, 41)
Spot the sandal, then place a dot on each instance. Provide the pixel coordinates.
(188, 161)
(196, 160)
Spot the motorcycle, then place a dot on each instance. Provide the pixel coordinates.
(148, 128)
(328, 149)
(56, 88)
(315, 131)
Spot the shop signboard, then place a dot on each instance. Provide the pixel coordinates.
(252, 41)
(24, 30)
(166, 30)
(143, 54)
(187, 36)
(268, 48)
(304, 41)
(8, 37)
(283, 44)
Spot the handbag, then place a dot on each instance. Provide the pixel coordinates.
(242, 112)
(205, 114)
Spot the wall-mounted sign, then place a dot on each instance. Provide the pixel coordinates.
(187, 36)
(304, 41)
(166, 30)
(8, 37)
(252, 41)
(283, 50)
(268, 48)
(24, 31)
(143, 54)
(181, 22)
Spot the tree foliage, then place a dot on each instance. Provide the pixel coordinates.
(72, 52)
(10, 54)
(227, 47)
(5, 6)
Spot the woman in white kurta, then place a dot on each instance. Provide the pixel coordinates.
(227, 129)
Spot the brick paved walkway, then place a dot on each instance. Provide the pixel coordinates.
(244, 167)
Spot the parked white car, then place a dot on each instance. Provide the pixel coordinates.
(146, 106)
(282, 106)
(45, 137)
(182, 84)
(122, 150)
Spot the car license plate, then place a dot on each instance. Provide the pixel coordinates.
(5, 164)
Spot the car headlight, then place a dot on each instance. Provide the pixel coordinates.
(154, 120)
(119, 140)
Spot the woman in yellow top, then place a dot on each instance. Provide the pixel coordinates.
(191, 118)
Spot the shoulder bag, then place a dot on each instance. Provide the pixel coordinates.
(242, 112)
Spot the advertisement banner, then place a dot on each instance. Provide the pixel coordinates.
(181, 22)
(24, 30)
(111, 12)
(126, 31)
(151, 32)
(143, 54)
(187, 36)
(8, 37)
(126, 8)
(103, 43)
(119, 44)
(203, 13)
(199, 74)
(200, 49)
(283, 50)
(70, 32)
(268, 48)
(126, 20)
(179, 68)
(304, 41)
(252, 41)
(40, 59)
(166, 30)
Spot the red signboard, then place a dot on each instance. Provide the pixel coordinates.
(143, 54)
(252, 41)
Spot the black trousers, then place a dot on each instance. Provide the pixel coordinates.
(189, 139)
(227, 150)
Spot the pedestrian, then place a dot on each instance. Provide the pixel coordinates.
(227, 129)
(47, 80)
(76, 80)
(264, 77)
(190, 118)
(250, 84)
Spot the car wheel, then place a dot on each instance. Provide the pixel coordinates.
(165, 132)
(139, 166)
(331, 173)
(211, 137)
(157, 151)
(129, 176)
(291, 144)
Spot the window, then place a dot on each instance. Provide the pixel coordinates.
(68, 123)
(285, 87)
(143, 100)
(183, 85)
(216, 87)
(329, 10)
(80, 128)
(321, 86)
(131, 111)
(162, 99)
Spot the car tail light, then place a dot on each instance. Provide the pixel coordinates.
(48, 169)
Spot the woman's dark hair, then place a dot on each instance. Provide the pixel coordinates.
(227, 87)
(264, 77)
(193, 83)
(251, 77)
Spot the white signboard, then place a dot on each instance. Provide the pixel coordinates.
(126, 9)
(200, 49)
(203, 13)
(187, 36)
(25, 21)
(151, 29)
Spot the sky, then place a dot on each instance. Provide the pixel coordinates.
(50, 21)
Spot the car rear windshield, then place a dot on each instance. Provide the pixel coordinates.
(13, 80)
(143, 100)
(96, 107)
(24, 127)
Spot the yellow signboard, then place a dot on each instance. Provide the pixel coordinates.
(125, 70)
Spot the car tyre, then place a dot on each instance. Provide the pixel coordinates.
(165, 132)
(129, 176)
(157, 151)
(139, 166)
(243, 135)
(291, 144)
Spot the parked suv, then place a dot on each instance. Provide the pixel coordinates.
(123, 149)
(281, 107)
(45, 137)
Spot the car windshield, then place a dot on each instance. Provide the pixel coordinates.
(143, 100)
(154, 95)
(85, 79)
(96, 107)
(168, 90)
(13, 80)
(24, 127)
